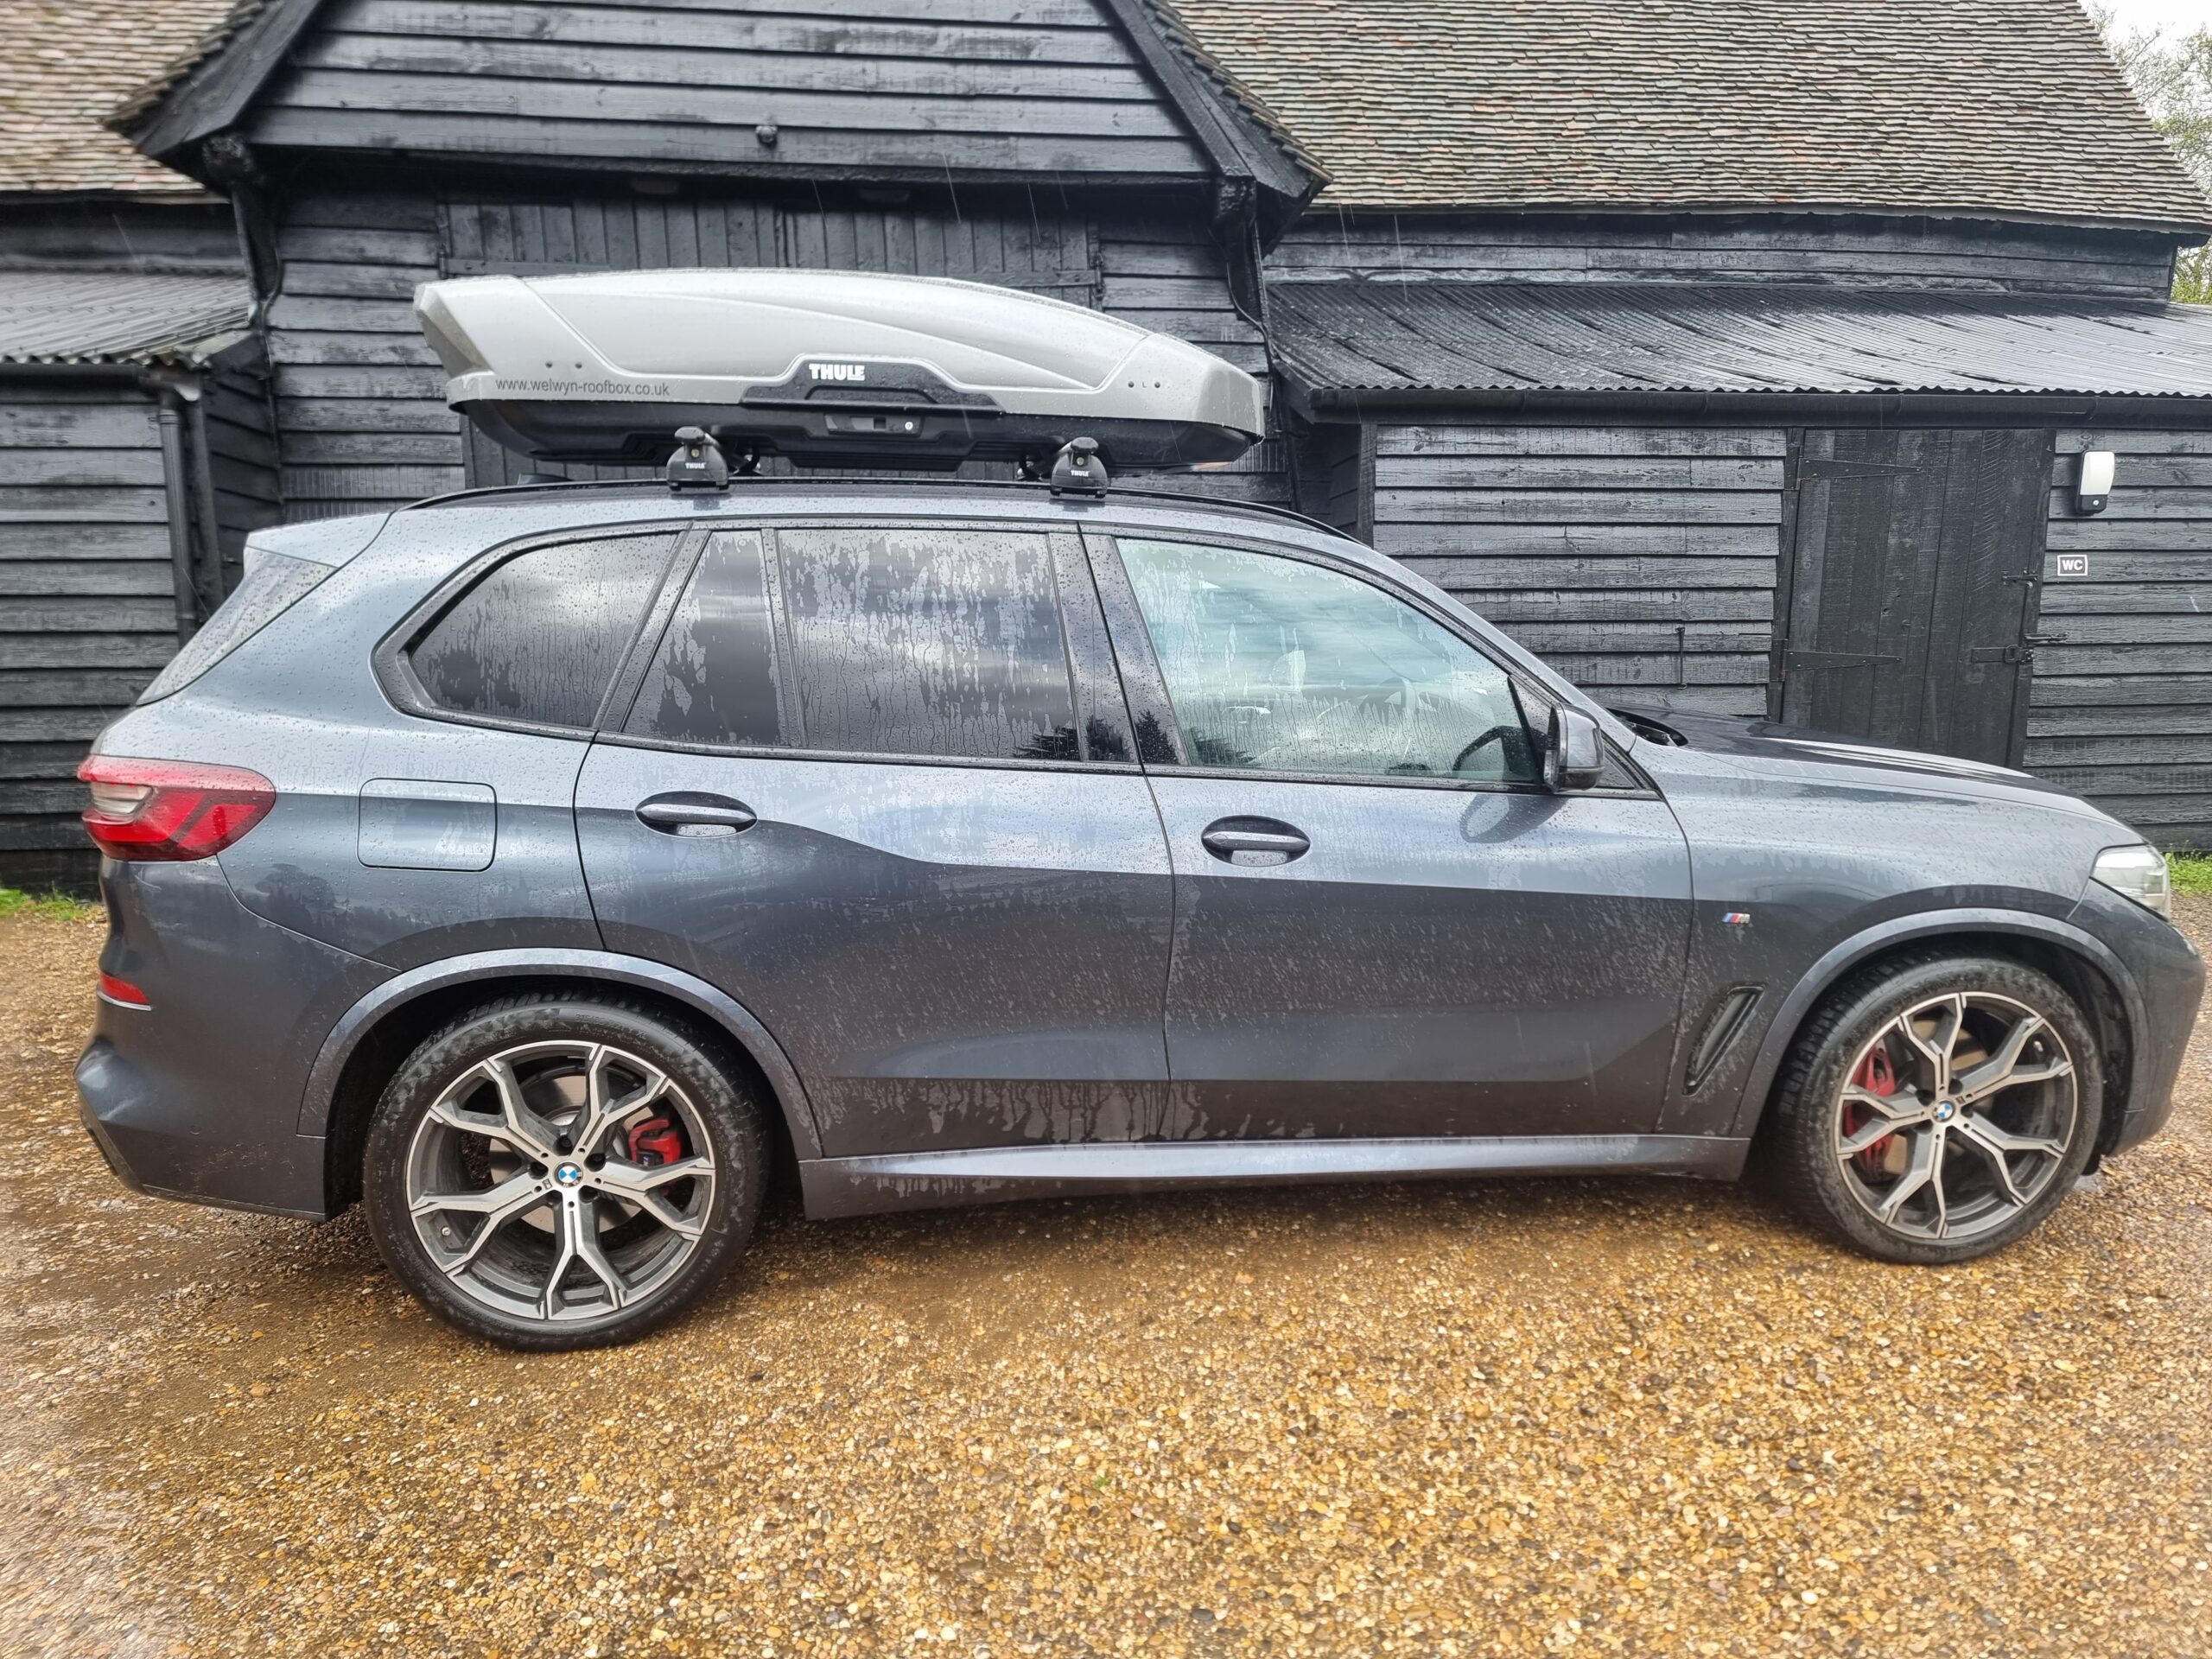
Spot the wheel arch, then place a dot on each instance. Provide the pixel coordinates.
(375, 1036)
(2090, 972)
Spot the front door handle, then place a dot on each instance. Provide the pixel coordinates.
(1255, 842)
(695, 814)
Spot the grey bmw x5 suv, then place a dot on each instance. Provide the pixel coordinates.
(541, 868)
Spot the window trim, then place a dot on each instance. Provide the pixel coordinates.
(1082, 618)
(395, 674)
(1104, 544)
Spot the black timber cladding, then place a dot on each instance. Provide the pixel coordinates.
(887, 87)
(123, 508)
(360, 395)
(90, 599)
(1640, 561)
(2122, 707)
(1809, 248)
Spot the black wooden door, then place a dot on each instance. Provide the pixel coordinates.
(1913, 581)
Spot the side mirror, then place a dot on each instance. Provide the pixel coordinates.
(1575, 759)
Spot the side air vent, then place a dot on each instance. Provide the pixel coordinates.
(1719, 1035)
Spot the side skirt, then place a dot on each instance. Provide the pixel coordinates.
(926, 1180)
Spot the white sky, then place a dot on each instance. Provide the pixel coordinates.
(2166, 17)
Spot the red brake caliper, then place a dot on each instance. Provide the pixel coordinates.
(655, 1141)
(1877, 1076)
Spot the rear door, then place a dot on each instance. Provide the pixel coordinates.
(878, 783)
(1385, 926)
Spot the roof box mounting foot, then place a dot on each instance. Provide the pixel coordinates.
(1076, 469)
(697, 464)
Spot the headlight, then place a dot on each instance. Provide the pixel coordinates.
(2140, 873)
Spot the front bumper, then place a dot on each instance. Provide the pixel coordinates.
(2169, 981)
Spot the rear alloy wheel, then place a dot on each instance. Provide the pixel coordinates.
(562, 1174)
(1939, 1111)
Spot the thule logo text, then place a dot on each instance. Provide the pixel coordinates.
(838, 371)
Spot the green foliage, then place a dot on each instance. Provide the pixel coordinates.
(2174, 79)
(2192, 872)
(57, 906)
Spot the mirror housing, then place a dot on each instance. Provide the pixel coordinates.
(1575, 757)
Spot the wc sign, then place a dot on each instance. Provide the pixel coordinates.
(2073, 564)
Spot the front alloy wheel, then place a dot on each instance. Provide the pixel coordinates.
(1935, 1111)
(554, 1175)
(1956, 1117)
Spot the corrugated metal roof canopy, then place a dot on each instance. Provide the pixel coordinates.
(104, 316)
(1620, 338)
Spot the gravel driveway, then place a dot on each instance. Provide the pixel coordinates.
(1576, 1416)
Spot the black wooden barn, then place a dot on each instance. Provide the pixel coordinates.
(1736, 355)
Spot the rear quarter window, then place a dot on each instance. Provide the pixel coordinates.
(537, 638)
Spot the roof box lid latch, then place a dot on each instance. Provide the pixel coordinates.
(1077, 470)
(697, 464)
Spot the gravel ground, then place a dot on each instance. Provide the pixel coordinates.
(1548, 1417)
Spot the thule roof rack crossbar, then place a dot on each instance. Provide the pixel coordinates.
(801, 485)
(826, 369)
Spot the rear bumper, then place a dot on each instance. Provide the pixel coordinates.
(198, 1096)
(161, 1142)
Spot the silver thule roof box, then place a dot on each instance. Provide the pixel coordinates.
(826, 368)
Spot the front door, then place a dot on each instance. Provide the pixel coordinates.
(878, 783)
(1385, 926)
(1913, 588)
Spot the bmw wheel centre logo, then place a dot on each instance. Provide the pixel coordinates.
(568, 1174)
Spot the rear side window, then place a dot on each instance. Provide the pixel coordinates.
(930, 641)
(539, 637)
(714, 679)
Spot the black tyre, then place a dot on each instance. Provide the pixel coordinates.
(1934, 1110)
(563, 1173)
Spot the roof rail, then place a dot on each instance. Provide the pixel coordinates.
(842, 482)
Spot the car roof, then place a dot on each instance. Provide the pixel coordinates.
(504, 512)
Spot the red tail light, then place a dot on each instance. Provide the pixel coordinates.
(171, 808)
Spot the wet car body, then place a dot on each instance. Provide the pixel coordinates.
(970, 979)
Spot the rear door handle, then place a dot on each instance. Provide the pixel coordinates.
(1255, 842)
(695, 814)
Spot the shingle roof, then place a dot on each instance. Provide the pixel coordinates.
(105, 317)
(66, 66)
(2003, 107)
(1384, 337)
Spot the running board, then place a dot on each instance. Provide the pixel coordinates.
(924, 1181)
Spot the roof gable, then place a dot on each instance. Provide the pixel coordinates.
(64, 68)
(883, 89)
(1992, 108)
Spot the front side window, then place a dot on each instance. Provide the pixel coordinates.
(927, 641)
(1277, 665)
(539, 637)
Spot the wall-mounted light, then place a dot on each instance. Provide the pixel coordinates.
(2093, 488)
